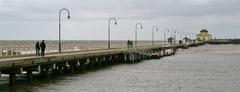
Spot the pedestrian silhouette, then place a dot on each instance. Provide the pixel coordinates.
(43, 46)
(131, 43)
(128, 43)
(37, 47)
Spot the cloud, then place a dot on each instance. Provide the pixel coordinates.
(22, 18)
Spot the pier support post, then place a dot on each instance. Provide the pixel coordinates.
(12, 79)
(88, 63)
(92, 62)
(121, 58)
(139, 58)
(142, 57)
(116, 59)
(29, 75)
(29, 71)
(44, 71)
(125, 57)
(12, 75)
(132, 58)
(72, 67)
(104, 61)
(164, 52)
(1, 52)
(110, 60)
(98, 62)
(82, 64)
(63, 67)
(60, 70)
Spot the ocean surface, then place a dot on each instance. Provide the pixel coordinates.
(208, 68)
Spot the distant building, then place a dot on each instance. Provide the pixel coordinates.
(204, 35)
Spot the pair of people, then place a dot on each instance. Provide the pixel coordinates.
(41, 47)
(130, 44)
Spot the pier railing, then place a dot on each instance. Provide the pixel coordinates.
(19, 48)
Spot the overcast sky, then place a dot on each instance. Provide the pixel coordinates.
(38, 19)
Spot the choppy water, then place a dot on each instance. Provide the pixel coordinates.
(209, 68)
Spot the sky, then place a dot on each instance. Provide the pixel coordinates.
(38, 19)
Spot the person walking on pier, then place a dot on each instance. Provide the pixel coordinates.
(37, 46)
(128, 44)
(131, 43)
(43, 46)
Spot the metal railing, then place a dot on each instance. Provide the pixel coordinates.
(20, 48)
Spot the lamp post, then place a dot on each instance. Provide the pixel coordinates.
(165, 34)
(184, 37)
(181, 35)
(153, 29)
(136, 32)
(190, 37)
(172, 35)
(109, 20)
(193, 37)
(59, 41)
(175, 36)
(172, 31)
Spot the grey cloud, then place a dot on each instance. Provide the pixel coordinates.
(188, 15)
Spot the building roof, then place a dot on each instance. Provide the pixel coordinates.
(203, 30)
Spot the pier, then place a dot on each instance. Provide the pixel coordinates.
(224, 41)
(61, 63)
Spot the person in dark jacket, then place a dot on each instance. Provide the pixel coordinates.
(131, 43)
(43, 46)
(128, 44)
(37, 47)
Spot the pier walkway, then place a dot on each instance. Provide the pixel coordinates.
(224, 41)
(60, 63)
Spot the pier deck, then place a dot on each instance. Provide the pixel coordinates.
(81, 60)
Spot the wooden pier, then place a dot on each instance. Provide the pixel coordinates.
(61, 63)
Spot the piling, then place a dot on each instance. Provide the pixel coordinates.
(1, 52)
(12, 78)
(29, 75)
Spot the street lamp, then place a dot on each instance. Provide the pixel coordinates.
(136, 32)
(175, 36)
(153, 29)
(165, 34)
(193, 37)
(181, 35)
(59, 41)
(172, 35)
(109, 20)
(190, 37)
